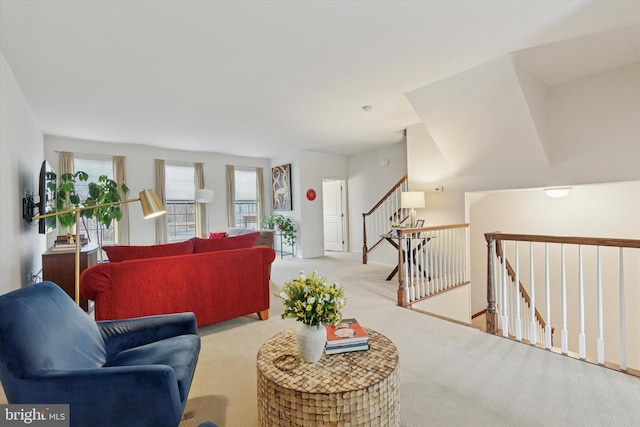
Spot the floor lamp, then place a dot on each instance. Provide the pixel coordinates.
(411, 200)
(204, 195)
(151, 208)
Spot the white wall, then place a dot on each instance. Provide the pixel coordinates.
(308, 169)
(316, 167)
(590, 136)
(453, 304)
(22, 155)
(140, 174)
(593, 127)
(428, 170)
(368, 182)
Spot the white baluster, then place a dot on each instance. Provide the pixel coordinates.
(437, 259)
(432, 263)
(533, 327)
(410, 268)
(582, 344)
(518, 297)
(498, 281)
(505, 295)
(600, 314)
(403, 246)
(447, 257)
(460, 254)
(419, 270)
(565, 338)
(547, 297)
(623, 321)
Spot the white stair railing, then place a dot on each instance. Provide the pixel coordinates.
(518, 317)
(431, 260)
(585, 288)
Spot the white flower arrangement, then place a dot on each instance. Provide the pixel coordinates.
(310, 300)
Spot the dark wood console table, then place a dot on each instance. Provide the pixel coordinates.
(59, 267)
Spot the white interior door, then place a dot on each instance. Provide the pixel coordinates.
(332, 202)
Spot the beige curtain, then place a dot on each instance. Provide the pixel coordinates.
(201, 208)
(260, 196)
(121, 228)
(231, 195)
(66, 166)
(161, 221)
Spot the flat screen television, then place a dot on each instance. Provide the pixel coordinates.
(46, 186)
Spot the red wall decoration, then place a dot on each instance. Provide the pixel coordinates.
(311, 194)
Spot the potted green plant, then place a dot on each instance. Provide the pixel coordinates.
(105, 191)
(284, 224)
(288, 231)
(270, 221)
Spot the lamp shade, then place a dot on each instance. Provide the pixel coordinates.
(412, 199)
(151, 204)
(204, 195)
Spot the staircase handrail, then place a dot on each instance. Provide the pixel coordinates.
(394, 218)
(605, 265)
(386, 196)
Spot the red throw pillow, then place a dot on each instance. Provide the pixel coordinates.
(234, 242)
(125, 252)
(217, 235)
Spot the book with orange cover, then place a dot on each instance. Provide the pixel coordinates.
(348, 331)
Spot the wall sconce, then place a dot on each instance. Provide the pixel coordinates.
(411, 200)
(557, 192)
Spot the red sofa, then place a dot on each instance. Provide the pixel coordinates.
(217, 279)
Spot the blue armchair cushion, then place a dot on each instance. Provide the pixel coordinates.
(174, 352)
(133, 372)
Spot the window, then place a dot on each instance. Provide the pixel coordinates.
(94, 167)
(181, 211)
(246, 209)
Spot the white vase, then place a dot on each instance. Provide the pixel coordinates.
(311, 340)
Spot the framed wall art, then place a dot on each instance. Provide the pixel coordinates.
(281, 187)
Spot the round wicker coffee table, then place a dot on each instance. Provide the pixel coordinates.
(341, 390)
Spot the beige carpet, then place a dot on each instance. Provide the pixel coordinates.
(450, 375)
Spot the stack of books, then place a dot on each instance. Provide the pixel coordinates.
(66, 243)
(346, 336)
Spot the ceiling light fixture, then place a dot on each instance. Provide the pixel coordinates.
(557, 192)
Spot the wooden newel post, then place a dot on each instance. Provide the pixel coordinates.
(492, 317)
(365, 250)
(402, 290)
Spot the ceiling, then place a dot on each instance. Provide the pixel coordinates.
(265, 78)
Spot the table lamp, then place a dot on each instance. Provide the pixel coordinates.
(411, 200)
(151, 208)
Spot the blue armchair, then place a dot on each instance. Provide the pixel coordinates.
(133, 372)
